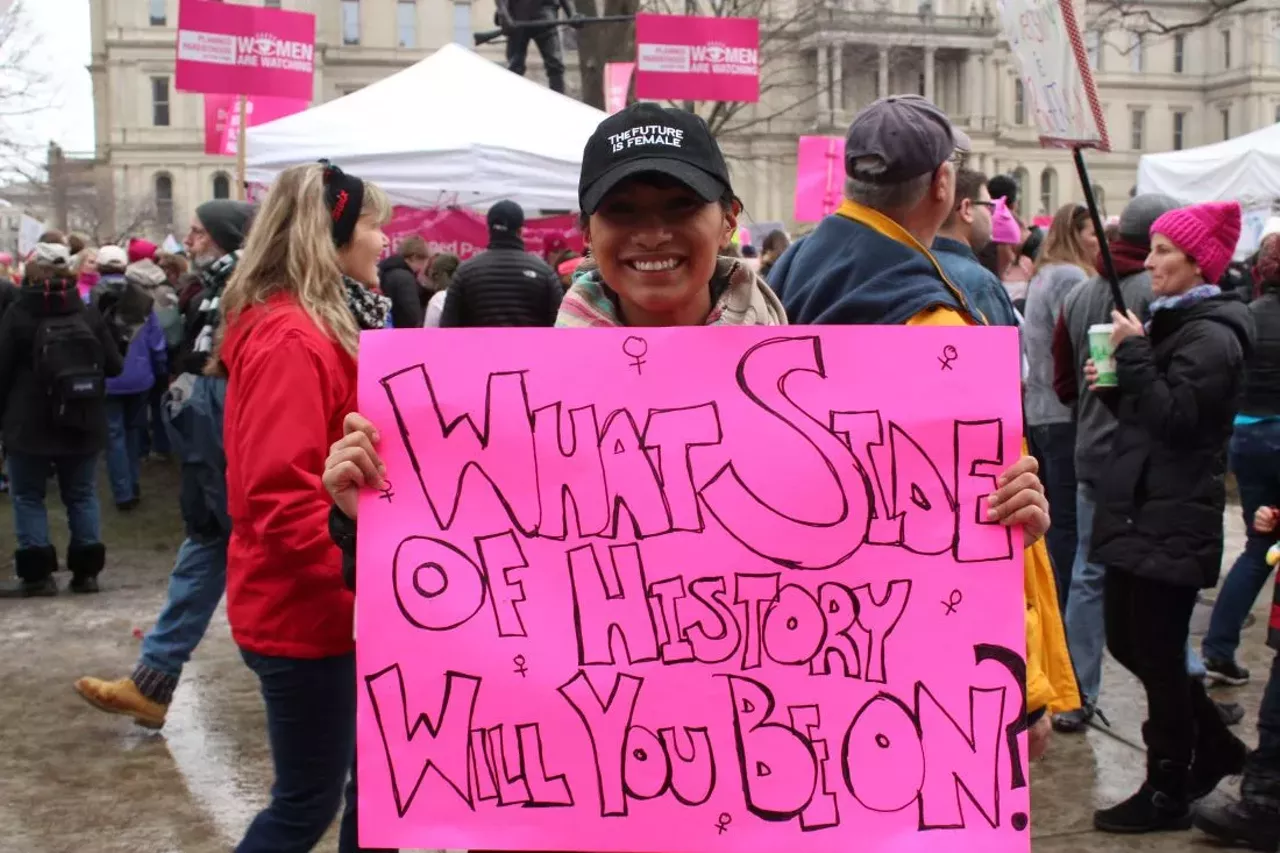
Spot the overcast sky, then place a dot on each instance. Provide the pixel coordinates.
(62, 30)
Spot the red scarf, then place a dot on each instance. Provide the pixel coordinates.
(1129, 257)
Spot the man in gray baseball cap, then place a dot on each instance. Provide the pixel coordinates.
(869, 261)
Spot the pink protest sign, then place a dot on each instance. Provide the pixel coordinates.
(222, 118)
(617, 81)
(463, 232)
(691, 590)
(234, 49)
(687, 57)
(819, 177)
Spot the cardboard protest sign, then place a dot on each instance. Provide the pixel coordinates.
(222, 118)
(819, 177)
(700, 589)
(234, 49)
(697, 58)
(1053, 64)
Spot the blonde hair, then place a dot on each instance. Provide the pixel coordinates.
(290, 250)
(1062, 244)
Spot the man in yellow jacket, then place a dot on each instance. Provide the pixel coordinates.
(868, 263)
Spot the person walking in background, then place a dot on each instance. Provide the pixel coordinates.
(443, 267)
(292, 318)
(195, 405)
(400, 277)
(1089, 303)
(131, 317)
(771, 248)
(965, 231)
(1066, 259)
(504, 285)
(1255, 461)
(1158, 527)
(55, 355)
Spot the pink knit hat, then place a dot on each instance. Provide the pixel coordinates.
(1207, 233)
(1004, 227)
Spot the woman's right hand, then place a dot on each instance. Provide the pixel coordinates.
(1264, 520)
(353, 464)
(1090, 374)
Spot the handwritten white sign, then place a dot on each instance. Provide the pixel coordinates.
(1058, 86)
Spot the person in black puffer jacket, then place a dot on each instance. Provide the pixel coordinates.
(504, 285)
(1158, 524)
(398, 278)
(43, 428)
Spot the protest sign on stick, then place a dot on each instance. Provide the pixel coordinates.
(697, 58)
(222, 118)
(819, 177)
(668, 590)
(617, 83)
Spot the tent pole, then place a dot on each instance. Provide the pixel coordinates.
(241, 184)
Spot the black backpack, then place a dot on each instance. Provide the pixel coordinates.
(68, 360)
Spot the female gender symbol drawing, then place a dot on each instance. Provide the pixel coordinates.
(636, 348)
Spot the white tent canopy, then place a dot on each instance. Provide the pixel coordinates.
(453, 123)
(1246, 169)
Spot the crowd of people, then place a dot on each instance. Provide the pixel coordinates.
(248, 364)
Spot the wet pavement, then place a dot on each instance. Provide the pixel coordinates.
(73, 780)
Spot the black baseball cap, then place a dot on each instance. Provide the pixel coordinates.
(645, 137)
(904, 136)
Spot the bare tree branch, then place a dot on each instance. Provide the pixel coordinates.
(1137, 18)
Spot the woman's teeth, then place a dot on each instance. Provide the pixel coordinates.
(656, 266)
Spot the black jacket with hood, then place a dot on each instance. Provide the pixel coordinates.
(25, 412)
(399, 283)
(503, 286)
(1159, 507)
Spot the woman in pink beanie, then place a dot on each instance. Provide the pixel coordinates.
(1158, 522)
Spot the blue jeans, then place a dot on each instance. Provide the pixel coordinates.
(1086, 634)
(1255, 460)
(311, 723)
(1054, 446)
(77, 484)
(195, 587)
(126, 423)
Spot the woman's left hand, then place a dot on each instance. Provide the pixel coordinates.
(1019, 499)
(1127, 325)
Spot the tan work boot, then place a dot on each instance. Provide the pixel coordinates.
(122, 697)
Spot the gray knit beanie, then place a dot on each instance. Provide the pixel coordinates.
(1141, 212)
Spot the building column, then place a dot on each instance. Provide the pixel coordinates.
(837, 83)
(930, 55)
(883, 85)
(970, 92)
(824, 86)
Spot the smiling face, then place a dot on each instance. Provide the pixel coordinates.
(656, 242)
(1172, 271)
(359, 258)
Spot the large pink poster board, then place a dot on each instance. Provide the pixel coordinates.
(234, 49)
(222, 118)
(691, 590)
(697, 58)
(819, 177)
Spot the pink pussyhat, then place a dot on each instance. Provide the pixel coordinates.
(1207, 233)
(1004, 226)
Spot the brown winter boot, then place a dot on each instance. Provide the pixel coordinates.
(122, 697)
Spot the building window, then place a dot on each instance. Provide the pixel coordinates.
(1225, 112)
(350, 21)
(407, 23)
(1226, 49)
(1100, 198)
(160, 101)
(462, 22)
(1137, 53)
(1048, 191)
(1179, 129)
(920, 84)
(1019, 103)
(1278, 113)
(1179, 53)
(164, 200)
(221, 185)
(157, 13)
(1137, 129)
(1093, 43)
(271, 4)
(1023, 180)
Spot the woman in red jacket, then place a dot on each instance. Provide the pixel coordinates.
(292, 313)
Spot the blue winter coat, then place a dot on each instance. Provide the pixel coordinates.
(146, 358)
